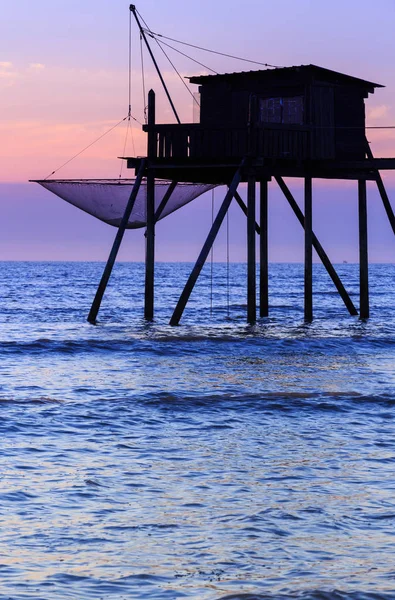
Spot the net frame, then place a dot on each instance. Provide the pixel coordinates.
(106, 199)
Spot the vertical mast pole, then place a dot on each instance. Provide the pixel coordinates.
(132, 8)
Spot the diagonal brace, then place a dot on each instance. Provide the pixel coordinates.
(318, 248)
(165, 200)
(243, 207)
(115, 248)
(190, 284)
(382, 190)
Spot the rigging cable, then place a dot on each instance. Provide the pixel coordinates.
(88, 146)
(178, 73)
(190, 57)
(148, 31)
(143, 78)
(128, 128)
(153, 35)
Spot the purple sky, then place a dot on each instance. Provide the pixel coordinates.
(63, 82)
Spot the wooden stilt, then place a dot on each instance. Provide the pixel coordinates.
(150, 249)
(251, 258)
(115, 248)
(165, 200)
(263, 253)
(319, 249)
(383, 192)
(177, 314)
(308, 251)
(243, 207)
(363, 251)
(150, 210)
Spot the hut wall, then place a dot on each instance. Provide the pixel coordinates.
(350, 123)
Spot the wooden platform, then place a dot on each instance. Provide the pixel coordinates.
(221, 170)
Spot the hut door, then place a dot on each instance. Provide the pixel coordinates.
(322, 113)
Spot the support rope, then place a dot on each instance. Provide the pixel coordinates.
(150, 33)
(176, 70)
(130, 65)
(128, 128)
(190, 57)
(143, 78)
(88, 146)
(153, 35)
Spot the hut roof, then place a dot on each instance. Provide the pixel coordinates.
(304, 72)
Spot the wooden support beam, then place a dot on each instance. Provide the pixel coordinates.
(182, 302)
(263, 252)
(308, 250)
(150, 249)
(363, 251)
(115, 248)
(243, 207)
(319, 249)
(165, 200)
(251, 252)
(382, 190)
(150, 215)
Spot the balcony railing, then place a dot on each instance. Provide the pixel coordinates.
(197, 142)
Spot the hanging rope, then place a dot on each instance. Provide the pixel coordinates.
(130, 65)
(212, 255)
(143, 78)
(129, 127)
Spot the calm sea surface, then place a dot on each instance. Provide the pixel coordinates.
(207, 461)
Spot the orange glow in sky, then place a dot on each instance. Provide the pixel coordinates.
(64, 72)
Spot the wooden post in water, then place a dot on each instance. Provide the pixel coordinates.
(251, 259)
(115, 247)
(263, 253)
(308, 250)
(182, 302)
(318, 248)
(363, 251)
(150, 209)
(243, 207)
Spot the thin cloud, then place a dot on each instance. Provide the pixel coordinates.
(378, 112)
(36, 66)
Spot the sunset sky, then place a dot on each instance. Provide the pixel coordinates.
(64, 82)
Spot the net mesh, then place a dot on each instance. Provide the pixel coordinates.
(107, 199)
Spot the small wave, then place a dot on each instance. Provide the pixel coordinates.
(312, 595)
(288, 402)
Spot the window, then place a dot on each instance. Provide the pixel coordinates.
(281, 110)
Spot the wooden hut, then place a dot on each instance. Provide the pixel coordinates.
(304, 121)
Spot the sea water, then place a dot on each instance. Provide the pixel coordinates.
(210, 460)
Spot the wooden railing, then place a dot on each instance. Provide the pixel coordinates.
(195, 141)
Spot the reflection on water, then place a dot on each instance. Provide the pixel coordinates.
(212, 460)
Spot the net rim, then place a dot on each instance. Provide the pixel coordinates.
(114, 181)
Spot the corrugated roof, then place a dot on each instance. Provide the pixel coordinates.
(312, 70)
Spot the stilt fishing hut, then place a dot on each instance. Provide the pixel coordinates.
(302, 121)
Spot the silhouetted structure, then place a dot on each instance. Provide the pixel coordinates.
(302, 121)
